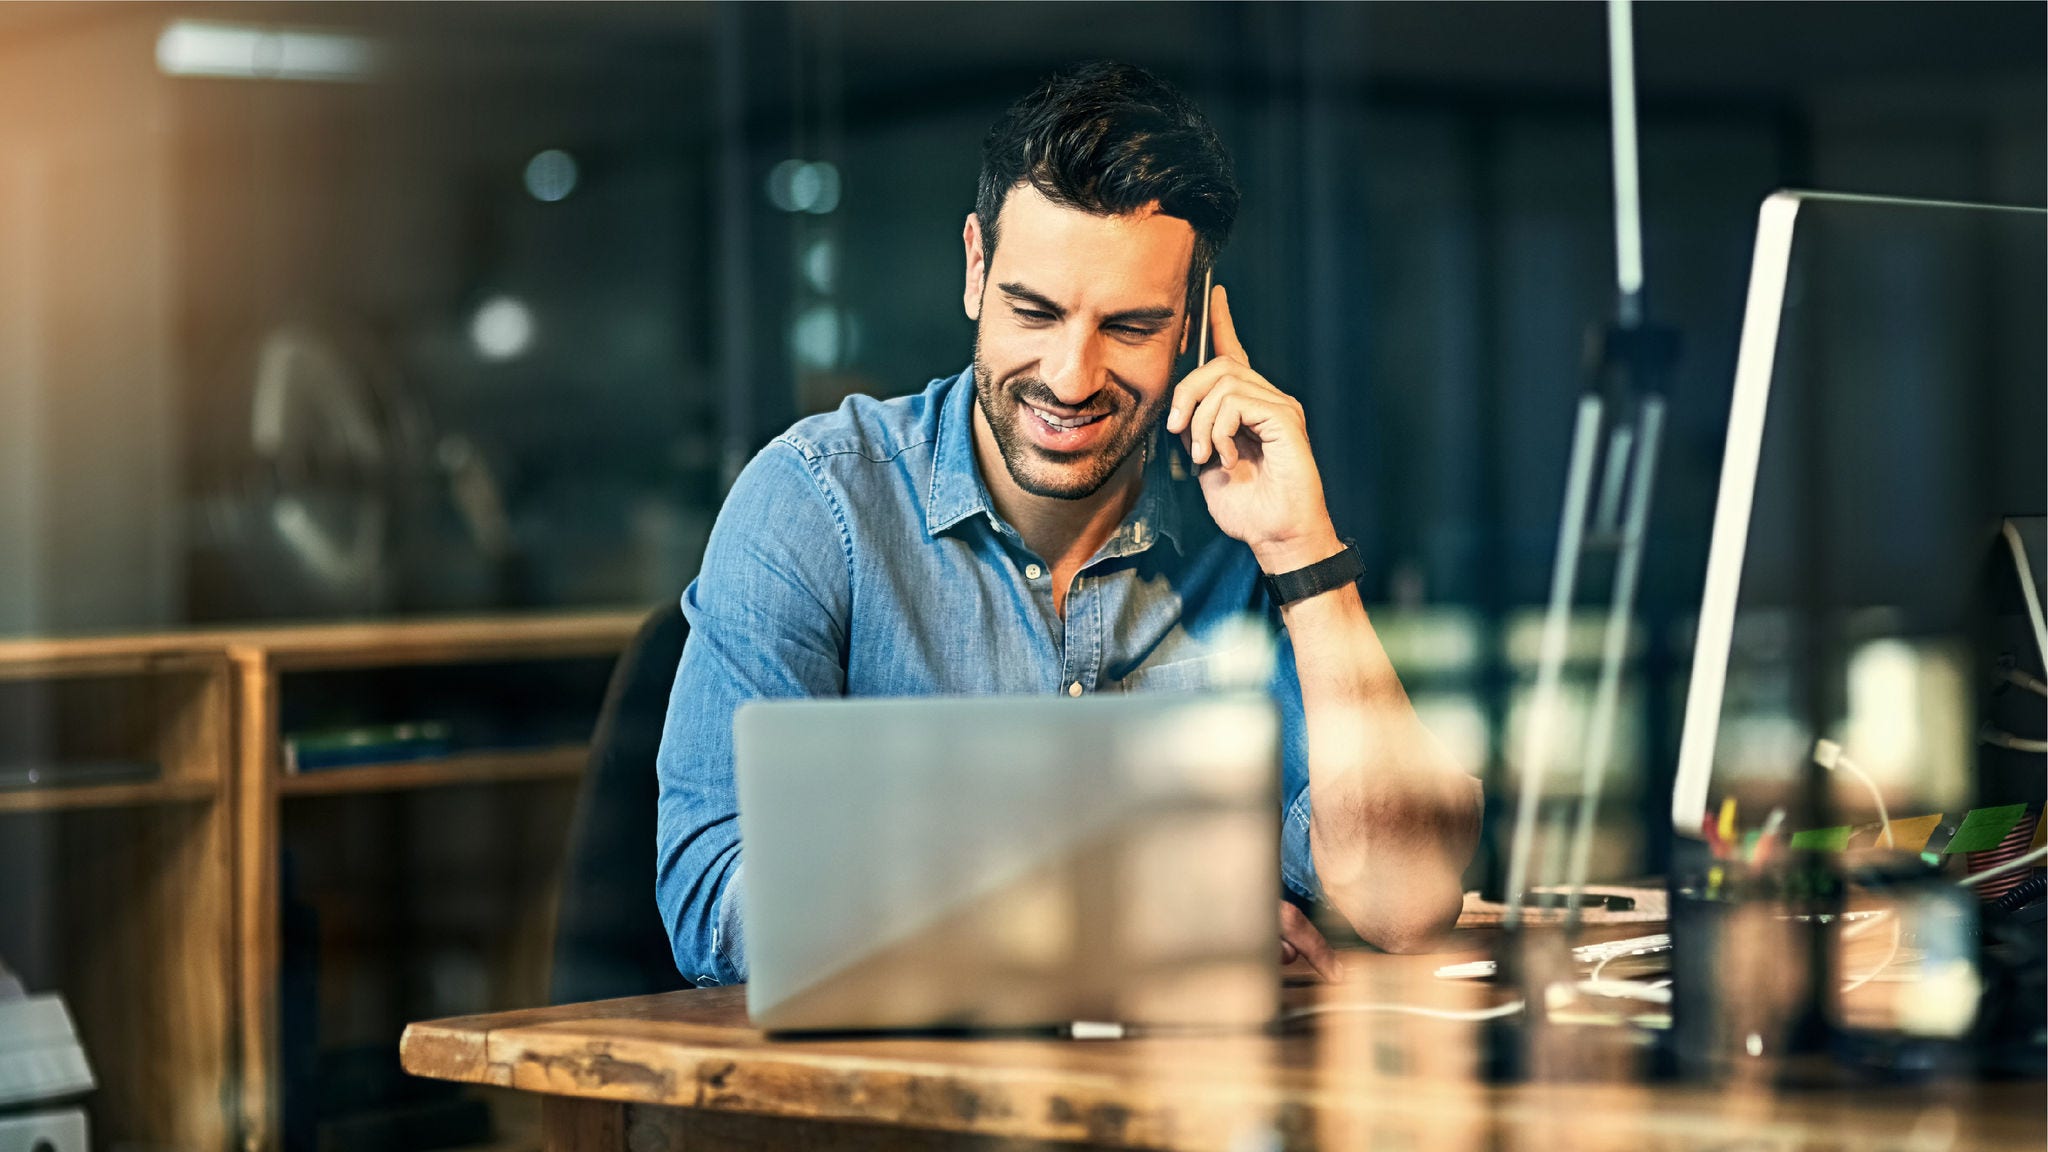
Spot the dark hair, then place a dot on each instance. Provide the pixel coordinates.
(1110, 138)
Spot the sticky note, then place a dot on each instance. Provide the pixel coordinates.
(1984, 828)
(1823, 839)
(1911, 835)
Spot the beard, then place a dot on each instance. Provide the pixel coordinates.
(1062, 475)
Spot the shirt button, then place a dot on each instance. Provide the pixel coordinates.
(1033, 571)
(1074, 689)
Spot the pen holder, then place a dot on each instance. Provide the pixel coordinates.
(1748, 964)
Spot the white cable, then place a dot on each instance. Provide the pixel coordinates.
(1995, 737)
(1828, 755)
(1626, 990)
(2012, 865)
(2024, 680)
(1594, 976)
(1493, 1013)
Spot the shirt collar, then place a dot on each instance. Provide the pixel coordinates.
(957, 490)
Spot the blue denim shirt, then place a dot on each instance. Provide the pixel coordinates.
(859, 554)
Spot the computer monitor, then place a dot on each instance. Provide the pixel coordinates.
(1887, 416)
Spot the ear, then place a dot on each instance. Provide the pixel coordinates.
(977, 268)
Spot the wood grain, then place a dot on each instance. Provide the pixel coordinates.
(138, 795)
(257, 945)
(427, 640)
(1351, 1078)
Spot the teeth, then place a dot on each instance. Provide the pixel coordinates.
(1065, 421)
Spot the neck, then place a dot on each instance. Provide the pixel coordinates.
(1064, 533)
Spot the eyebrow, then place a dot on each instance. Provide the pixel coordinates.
(1039, 300)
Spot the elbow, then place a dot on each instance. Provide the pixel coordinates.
(1421, 921)
(1408, 899)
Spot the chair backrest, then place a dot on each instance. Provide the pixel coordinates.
(609, 939)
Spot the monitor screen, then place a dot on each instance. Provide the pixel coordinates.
(1887, 417)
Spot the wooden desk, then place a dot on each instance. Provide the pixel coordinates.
(684, 1071)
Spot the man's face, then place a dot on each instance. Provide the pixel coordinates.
(1078, 321)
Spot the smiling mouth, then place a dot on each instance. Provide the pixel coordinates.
(1065, 423)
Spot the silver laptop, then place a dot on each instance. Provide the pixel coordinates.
(1006, 861)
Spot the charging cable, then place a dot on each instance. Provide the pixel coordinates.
(1828, 755)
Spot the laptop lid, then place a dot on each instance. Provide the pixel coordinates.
(1009, 861)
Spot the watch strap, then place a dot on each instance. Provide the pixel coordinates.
(1320, 577)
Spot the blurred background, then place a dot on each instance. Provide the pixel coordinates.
(321, 311)
(317, 311)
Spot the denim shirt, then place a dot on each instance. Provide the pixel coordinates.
(859, 554)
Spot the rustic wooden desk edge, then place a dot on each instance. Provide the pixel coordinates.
(670, 1063)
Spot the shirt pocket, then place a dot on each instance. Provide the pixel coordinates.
(1193, 675)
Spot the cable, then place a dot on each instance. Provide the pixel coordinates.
(1493, 1013)
(1993, 736)
(2025, 680)
(1828, 755)
(2029, 891)
(2012, 865)
(1626, 990)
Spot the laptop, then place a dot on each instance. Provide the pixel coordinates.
(1004, 862)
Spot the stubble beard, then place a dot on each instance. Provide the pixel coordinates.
(1059, 476)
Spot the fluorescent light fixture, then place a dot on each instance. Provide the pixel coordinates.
(250, 52)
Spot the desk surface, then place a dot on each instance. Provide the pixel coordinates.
(1350, 1079)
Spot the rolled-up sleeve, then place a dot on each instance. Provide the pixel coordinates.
(768, 616)
(1297, 863)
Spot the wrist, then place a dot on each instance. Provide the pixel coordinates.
(1287, 555)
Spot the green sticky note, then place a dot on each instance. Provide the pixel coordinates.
(1823, 839)
(1984, 828)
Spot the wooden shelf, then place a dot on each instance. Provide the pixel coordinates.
(140, 793)
(380, 643)
(564, 762)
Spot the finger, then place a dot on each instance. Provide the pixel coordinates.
(1268, 418)
(1223, 330)
(1299, 931)
(1189, 393)
(1288, 953)
(1229, 417)
(1201, 425)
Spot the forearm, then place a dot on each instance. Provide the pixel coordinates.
(1393, 820)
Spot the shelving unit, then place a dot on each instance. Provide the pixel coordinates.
(366, 901)
(128, 916)
(157, 905)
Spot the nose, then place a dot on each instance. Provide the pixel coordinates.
(1075, 372)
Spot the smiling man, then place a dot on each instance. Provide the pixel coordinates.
(1066, 516)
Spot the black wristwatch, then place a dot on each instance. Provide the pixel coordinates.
(1316, 579)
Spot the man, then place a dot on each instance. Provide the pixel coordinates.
(1066, 517)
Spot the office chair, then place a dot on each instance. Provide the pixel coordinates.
(609, 940)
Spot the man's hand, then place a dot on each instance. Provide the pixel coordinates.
(1249, 443)
(1299, 938)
